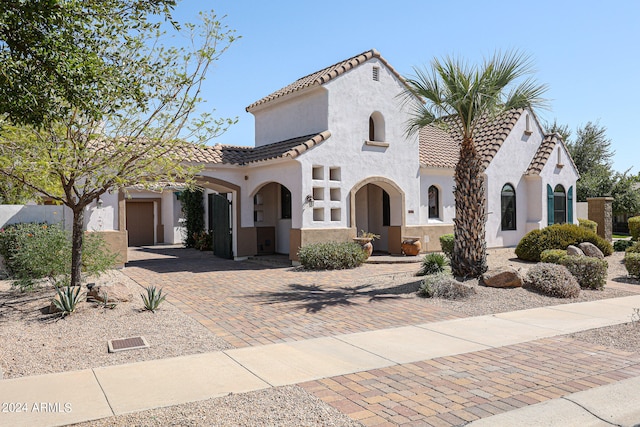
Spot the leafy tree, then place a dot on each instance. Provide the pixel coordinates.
(121, 117)
(461, 96)
(626, 193)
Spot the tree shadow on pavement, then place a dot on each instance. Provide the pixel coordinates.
(314, 298)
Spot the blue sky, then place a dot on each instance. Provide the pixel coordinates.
(587, 52)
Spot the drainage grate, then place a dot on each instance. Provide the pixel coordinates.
(132, 343)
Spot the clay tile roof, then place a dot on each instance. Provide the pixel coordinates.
(440, 148)
(323, 76)
(234, 155)
(542, 155)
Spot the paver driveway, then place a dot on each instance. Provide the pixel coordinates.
(248, 304)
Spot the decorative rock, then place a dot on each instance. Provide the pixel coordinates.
(117, 292)
(505, 277)
(574, 251)
(591, 250)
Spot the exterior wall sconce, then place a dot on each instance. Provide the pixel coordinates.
(99, 203)
(309, 200)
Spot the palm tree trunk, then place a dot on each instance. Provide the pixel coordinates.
(470, 248)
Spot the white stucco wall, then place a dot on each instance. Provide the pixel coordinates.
(554, 174)
(352, 98)
(443, 180)
(508, 167)
(103, 216)
(50, 214)
(300, 114)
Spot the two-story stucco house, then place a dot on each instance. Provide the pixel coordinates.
(332, 157)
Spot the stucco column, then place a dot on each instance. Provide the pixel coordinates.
(601, 211)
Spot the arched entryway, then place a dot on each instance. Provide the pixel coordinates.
(272, 218)
(377, 206)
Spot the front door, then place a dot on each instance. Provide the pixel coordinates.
(220, 225)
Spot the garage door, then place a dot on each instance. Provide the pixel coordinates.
(140, 223)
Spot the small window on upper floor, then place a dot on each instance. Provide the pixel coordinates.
(376, 74)
(434, 202)
(376, 127)
(527, 130)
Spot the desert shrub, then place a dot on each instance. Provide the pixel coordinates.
(34, 251)
(622, 245)
(632, 264)
(331, 255)
(446, 244)
(444, 286)
(67, 299)
(433, 263)
(153, 299)
(591, 273)
(553, 280)
(634, 227)
(553, 256)
(633, 248)
(588, 224)
(558, 236)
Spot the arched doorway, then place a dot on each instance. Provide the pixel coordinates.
(377, 207)
(272, 218)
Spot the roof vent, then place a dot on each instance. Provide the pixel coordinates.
(376, 74)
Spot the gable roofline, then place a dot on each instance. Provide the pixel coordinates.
(325, 75)
(543, 154)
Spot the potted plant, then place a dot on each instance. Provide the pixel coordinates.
(411, 246)
(365, 239)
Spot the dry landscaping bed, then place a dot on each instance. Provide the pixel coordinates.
(33, 343)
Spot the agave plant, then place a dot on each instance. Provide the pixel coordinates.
(153, 298)
(68, 298)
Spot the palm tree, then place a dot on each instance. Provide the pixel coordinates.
(460, 97)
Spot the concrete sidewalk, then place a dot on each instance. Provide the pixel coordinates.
(71, 397)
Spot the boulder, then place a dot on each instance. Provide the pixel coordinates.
(117, 292)
(591, 250)
(574, 251)
(505, 277)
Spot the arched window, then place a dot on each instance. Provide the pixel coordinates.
(559, 205)
(376, 127)
(434, 202)
(508, 207)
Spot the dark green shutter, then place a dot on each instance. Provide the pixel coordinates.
(549, 205)
(570, 206)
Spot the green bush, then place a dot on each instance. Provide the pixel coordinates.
(433, 263)
(331, 255)
(591, 273)
(446, 244)
(553, 256)
(553, 280)
(634, 227)
(558, 236)
(588, 224)
(632, 264)
(34, 251)
(621, 245)
(193, 210)
(444, 286)
(633, 248)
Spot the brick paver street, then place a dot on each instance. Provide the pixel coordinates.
(457, 389)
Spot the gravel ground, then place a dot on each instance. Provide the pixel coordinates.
(33, 343)
(280, 406)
